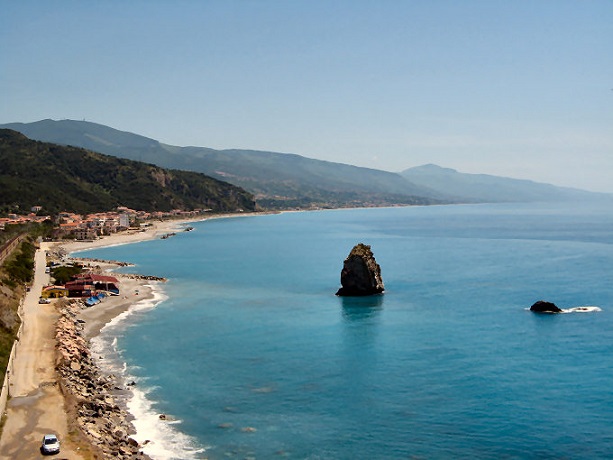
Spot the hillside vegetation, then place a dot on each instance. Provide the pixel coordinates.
(16, 271)
(64, 178)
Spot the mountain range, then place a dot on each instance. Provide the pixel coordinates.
(477, 188)
(282, 180)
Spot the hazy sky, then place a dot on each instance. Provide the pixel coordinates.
(512, 87)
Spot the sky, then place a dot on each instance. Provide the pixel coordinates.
(520, 88)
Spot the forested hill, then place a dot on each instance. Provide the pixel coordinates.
(62, 178)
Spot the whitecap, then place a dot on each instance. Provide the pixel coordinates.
(582, 309)
(161, 439)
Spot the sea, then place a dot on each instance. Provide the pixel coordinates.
(249, 354)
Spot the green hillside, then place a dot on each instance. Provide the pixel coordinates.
(62, 178)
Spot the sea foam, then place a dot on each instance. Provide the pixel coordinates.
(161, 440)
(582, 309)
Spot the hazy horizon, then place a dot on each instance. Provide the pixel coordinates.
(514, 89)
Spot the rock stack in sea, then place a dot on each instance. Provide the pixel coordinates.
(361, 274)
(90, 393)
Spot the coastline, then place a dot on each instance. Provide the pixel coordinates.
(348, 322)
(117, 436)
(140, 429)
(40, 400)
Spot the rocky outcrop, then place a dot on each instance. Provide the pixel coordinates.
(91, 394)
(545, 307)
(361, 274)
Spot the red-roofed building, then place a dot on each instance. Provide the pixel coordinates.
(79, 288)
(86, 284)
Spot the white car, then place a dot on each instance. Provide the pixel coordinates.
(50, 445)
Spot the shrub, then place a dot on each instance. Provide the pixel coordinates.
(63, 274)
(20, 268)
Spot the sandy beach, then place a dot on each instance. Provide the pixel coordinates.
(37, 403)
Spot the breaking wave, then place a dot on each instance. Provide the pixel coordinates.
(582, 309)
(159, 438)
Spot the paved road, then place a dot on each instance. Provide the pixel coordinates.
(36, 406)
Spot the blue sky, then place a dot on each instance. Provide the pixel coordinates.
(520, 88)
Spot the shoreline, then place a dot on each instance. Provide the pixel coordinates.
(94, 398)
(145, 430)
(131, 434)
(41, 400)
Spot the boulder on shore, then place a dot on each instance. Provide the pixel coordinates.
(545, 307)
(361, 274)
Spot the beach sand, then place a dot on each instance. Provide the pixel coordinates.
(37, 405)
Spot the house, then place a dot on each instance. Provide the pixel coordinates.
(79, 289)
(54, 292)
(124, 220)
(66, 229)
(85, 233)
(97, 283)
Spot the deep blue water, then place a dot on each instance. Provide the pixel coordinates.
(255, 357)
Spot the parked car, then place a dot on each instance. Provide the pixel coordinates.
(43, 300)
(50, 445)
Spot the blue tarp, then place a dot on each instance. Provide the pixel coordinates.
(91, 301)
(96, 299)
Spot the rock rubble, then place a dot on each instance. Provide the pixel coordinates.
(96, 413)
(104, 261)
(136, 276)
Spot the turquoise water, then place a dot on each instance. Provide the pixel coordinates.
(252, 355)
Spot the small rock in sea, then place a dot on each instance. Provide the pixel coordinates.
(133, 442)
(544, 307)
(248, 429)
